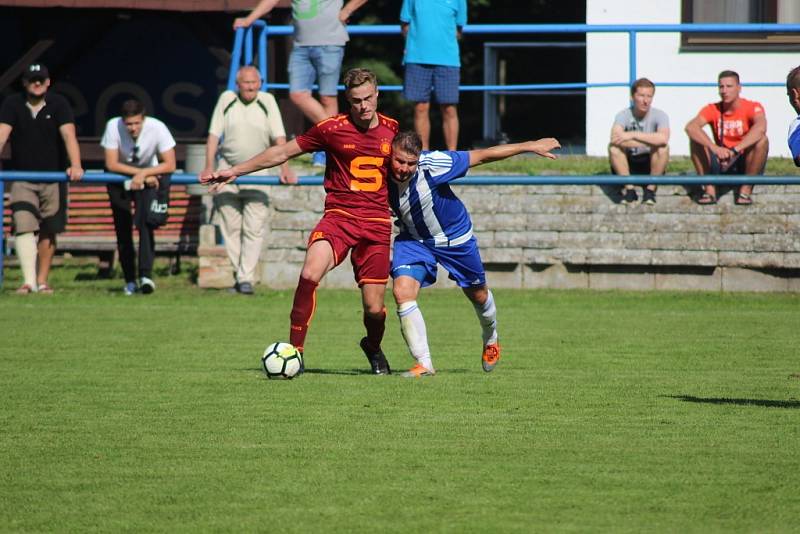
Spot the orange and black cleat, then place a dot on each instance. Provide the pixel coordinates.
(491, 355)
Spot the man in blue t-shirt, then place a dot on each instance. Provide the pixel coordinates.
(432, 62)
(435, 229)
(793, 90)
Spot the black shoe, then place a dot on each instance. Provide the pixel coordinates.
(649, 197)
(246, 288)
(376, 359)
(629, 196)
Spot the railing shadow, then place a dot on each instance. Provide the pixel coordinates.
(764, 403)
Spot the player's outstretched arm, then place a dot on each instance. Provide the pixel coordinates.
(274, 155)
(542, 147)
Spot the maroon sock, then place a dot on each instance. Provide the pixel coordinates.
(305, 301)
(375, 327)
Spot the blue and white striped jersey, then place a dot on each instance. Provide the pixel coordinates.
(794, 140)
(426, 207)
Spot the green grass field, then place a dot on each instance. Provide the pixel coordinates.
(610, 411)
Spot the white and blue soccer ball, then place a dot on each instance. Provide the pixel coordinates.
(282, 360)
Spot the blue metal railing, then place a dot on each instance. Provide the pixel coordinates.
(105, 177)
(243, 54)
(243, 47)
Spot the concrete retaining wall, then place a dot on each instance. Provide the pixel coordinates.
(574, 237)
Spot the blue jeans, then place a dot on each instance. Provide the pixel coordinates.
(322, 64)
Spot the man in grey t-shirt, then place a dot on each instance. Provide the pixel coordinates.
(639, 141)
(319, 38)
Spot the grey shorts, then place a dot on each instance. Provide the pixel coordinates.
(39, 206)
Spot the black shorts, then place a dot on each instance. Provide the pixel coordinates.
(637, 164)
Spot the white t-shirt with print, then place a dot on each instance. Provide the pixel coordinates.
(142, 152)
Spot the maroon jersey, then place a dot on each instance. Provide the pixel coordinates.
(357, 164)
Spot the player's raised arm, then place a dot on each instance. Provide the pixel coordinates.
(542, 147)
(274, 155)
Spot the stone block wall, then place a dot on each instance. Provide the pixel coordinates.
(575, 237)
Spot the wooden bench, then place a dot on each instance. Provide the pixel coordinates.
(90, 225)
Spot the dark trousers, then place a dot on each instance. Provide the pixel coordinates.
(123, 226)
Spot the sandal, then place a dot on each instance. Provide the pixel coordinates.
(744, 199)
(24, 290)
(44, 289)
(706, 199)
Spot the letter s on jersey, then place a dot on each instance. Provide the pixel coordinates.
(367, 175)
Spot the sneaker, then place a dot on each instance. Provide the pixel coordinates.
(318, 159)
(130, 288)
(649, 197)
(147, 286)
(25, 289)
(629, 196)
(377, 360)
(418, 371)
(491, 355)
(246, 288)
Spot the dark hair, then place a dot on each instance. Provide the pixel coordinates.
(642, 82)
(408, 141)
(728, 74)
(131, 108)
(356, 77)
(793, 79)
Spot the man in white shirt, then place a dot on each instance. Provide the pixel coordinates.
(244, 124)
(143, 148)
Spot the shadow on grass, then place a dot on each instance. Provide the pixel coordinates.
(739, 402)
(309, 371)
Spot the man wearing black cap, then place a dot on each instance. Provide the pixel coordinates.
(41, 129)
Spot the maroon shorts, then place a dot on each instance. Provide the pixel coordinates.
(366, 240)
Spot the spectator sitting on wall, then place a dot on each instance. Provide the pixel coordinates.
(143, 148)
(639, 141)
(739, 144)
(41, 129)
(793, 90)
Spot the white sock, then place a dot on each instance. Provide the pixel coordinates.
(412, 325)
(487, 315)
(27, 251)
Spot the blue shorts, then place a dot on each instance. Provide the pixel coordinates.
(463, 262)
(321, 64)
(422, 80)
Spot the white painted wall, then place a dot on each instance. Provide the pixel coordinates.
(660, 60)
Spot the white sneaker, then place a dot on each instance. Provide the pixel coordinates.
(147, 286)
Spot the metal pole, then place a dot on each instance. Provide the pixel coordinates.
(2, 231)
(236, 58)
(262, 56)
(631, 57)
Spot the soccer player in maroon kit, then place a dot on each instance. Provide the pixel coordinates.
(356, 219)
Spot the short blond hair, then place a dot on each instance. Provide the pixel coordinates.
(356, 77)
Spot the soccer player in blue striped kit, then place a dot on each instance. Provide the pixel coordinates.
(435, 228)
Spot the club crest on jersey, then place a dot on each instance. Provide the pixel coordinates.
(386, 147)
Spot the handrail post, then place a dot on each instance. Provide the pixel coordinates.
(631, 57)
(2, 230)
(236, 58)
(262, 56)
(248, 46)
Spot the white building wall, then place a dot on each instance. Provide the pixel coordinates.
(660, 60)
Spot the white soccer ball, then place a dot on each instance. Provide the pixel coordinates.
(282, 360)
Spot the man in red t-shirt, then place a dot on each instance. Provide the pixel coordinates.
(357, 218)
(740, 144)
